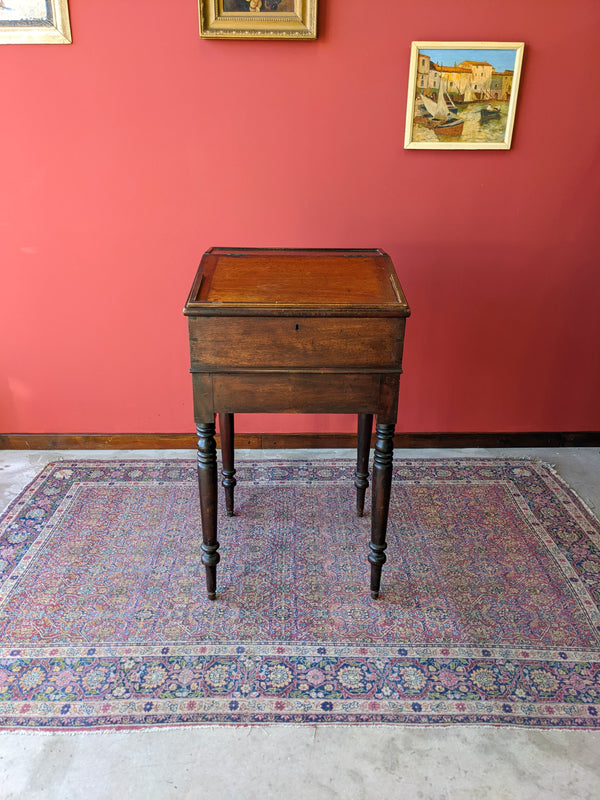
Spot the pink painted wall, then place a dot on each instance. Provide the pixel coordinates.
(128, 153)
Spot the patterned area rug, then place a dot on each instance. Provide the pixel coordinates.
(489, 610)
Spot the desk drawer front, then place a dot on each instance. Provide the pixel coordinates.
(303, 342)
(313, 393)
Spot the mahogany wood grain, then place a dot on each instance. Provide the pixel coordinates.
(295, 392)
(316, 282)
(302, 342)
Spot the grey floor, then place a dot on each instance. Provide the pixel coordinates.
(304, 762)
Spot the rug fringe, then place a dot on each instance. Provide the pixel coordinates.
(155, 730)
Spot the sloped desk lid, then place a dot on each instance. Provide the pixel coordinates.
(285, 282)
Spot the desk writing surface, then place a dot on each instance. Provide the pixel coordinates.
(343, 281)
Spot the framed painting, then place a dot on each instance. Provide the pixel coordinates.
(34, 22)
(462, 95)
(258, 19)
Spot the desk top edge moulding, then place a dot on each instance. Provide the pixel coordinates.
(316, 331)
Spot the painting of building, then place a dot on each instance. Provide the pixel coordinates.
(461, 94)
(481, 74)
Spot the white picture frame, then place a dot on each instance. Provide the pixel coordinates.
(478, 83)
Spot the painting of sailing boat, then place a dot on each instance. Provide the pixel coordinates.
(462, 95)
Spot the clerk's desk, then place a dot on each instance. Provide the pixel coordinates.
(314, 331)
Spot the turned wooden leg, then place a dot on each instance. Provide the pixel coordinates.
(382, 484)
(365, 426)
(208, 484)
(227, 454)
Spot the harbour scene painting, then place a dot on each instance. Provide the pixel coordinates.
(462, 95)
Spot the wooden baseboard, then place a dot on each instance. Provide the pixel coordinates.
(284, 441)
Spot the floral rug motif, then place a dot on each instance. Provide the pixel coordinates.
(489, 610)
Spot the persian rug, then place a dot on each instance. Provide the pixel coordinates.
(489, 612)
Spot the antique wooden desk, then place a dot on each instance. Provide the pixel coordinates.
(315, 331)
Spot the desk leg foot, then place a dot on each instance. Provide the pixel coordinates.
(207, 485)
(227, 454)
(361, 476)
(382, 485)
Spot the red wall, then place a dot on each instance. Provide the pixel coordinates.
(128, 153)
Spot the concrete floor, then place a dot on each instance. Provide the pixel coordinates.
(301, 763)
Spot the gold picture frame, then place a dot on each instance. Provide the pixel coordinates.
(462, 95)
(35, 22)
(258, 19)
